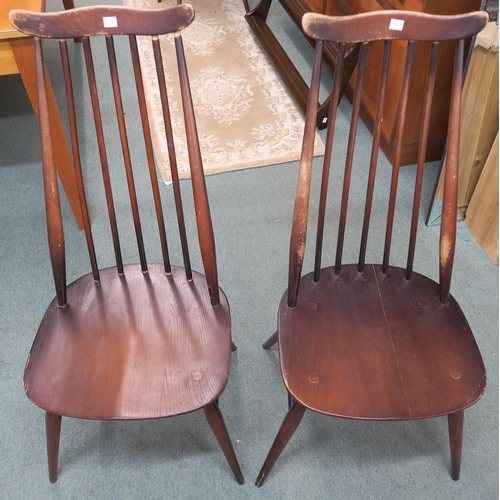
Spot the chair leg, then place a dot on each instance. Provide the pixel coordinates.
(233, 346)
(456, 429)
(271, 341)
(216, 422)
(53, 432)
(287, 429)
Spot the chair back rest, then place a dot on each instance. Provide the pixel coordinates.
(375, 32)
(107, 23)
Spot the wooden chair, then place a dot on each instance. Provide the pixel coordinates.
(132, 341)
(375, 341)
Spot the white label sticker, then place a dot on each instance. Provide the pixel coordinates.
(110, 22)
(396, 24)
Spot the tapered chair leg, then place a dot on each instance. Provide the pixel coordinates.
(271, 341)
(216, 422)
(456, 430)
(53, 431)
(287, 429)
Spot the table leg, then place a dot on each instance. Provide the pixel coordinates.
(24, 54)
(69, 4)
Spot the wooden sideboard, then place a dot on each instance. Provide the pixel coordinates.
(438, 129)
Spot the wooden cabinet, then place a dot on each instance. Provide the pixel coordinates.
(438, 128)
(439, 120)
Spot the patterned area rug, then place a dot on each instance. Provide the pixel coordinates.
(244, 114)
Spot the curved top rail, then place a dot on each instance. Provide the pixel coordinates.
(102, 20)
(393, 25)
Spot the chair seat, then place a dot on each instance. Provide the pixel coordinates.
(140, 345)
(378, 346)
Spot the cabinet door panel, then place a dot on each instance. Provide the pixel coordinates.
(316, 5)
(438, 126)
(414, 5)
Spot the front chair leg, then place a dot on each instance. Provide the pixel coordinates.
(456, 430)
(216, 422)
(53, 432)
(287, 429)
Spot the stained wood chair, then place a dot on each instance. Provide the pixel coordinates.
(376, 341)
(138, 340)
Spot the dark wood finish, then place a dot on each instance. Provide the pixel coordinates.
(438, 123)
(69, 4)
(283, 64)
(372, 340)
(410, 135)
(287, 429)
(23, 63)
(53, 431)
(383, 339)
(136, 340)
(143, 307)
(216, 422)
(456, 430)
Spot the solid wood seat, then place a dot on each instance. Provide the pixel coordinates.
(385, 346)
(138, 340)
(371, 340)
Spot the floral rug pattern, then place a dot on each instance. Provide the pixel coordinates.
(245, 116)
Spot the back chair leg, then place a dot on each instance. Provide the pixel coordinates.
(216, 422)
(69, 4)
(456, 430)
(53, 431)
(287, 429)
(271, 341)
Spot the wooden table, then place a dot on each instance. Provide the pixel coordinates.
(17, 55)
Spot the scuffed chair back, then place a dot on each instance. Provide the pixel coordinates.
(419, 33)
(110, 22)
